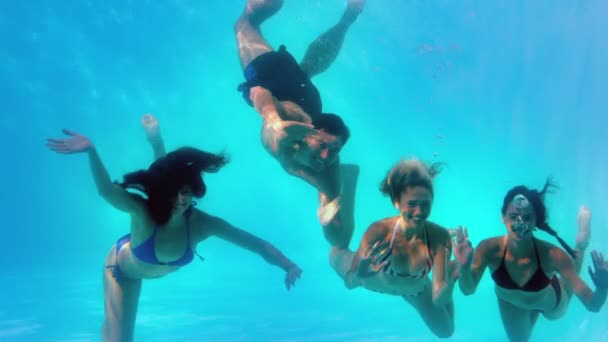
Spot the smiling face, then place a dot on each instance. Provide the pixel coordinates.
(317, 152)
(519, 218)
(183, 201)
(414, 204)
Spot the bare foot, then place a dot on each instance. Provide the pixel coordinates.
(355, 5)
(349, 173)
(353, 9)
(259, 10)
(584, 228)
(327, 212)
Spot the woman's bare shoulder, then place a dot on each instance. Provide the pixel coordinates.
(380, 228)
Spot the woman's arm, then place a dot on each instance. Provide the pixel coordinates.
(564, 265)
(471, 268)
(226, 231)
(369, 259)
(441, 256)
(112, 193)
(152, 128)
(472, 263)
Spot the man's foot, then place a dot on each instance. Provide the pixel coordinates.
(327, 211)
(257, 11)
(353, 9)
(584, 228)
(355, 5)
(349, 173)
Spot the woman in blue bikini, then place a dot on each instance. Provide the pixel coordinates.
(532, 276)
(165, 226)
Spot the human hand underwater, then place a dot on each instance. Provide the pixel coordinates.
(463, 249)
(293, 274)
(374, 259)
(599, 271)
(76, 144)
(151, 126)
(298, 131)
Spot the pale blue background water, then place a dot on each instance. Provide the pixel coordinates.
(505, 92)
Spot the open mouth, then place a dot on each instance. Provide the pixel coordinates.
(522, 230)
(417, 220)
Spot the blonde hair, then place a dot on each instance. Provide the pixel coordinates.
(407, 173)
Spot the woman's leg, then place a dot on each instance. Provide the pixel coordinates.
(121, 296)
(518, 323)
(250, 41)
(322, 52)
(341, 260)
(440, 320)
(563, 295)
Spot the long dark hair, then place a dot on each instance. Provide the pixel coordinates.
(162, 181)
(537, 199)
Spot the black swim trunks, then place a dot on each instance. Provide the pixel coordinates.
(279, 73)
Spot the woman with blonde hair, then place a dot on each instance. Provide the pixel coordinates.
(397, 254)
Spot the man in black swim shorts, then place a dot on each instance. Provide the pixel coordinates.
(296, 131)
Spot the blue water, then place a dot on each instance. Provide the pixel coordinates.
(504, 92)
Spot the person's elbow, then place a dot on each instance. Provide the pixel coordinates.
(595, 302)
(441, 295)
(439, 300)
(105, 192)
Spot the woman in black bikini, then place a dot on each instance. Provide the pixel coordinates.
(525, 269)
(397, 254)
(165, 226)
